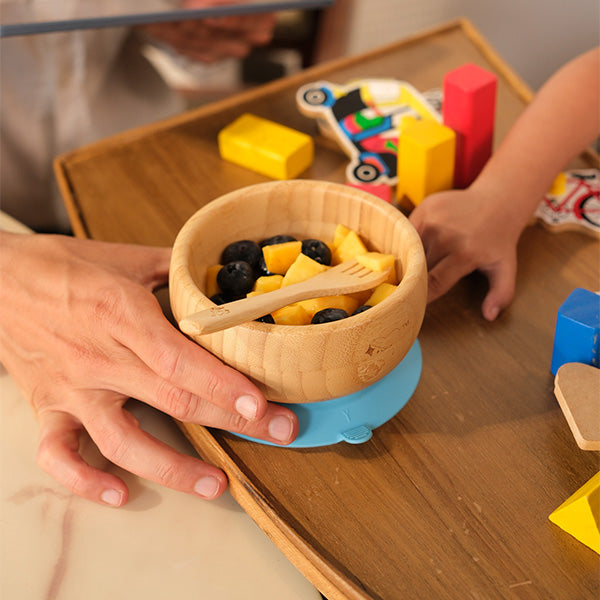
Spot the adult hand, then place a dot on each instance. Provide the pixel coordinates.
(212, 39)
(81, 332)
(462, 232)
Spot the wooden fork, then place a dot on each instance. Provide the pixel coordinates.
(345, 278)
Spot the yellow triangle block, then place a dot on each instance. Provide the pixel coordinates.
(579, 515)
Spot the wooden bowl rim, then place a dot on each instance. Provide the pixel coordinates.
(411, 271)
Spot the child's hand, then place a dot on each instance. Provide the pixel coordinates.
(463, 231)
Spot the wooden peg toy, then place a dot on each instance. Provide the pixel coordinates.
(266, 147)
(468, 108)
(577, 332)
(578, 515)
(425, 160)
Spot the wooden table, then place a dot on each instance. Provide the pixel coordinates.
(450, 499)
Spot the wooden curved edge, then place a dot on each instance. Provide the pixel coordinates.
(322, 574)
(577, 387)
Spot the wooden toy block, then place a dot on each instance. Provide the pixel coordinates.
(469, 108)
(266, 147)
(577, 389)
(425, 160)
(381, 190)
(577, 332)
(578, 515)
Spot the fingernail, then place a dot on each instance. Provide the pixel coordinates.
(280, 428)
(207, 487)
(112, 497)
(492, 313)
(247, 406)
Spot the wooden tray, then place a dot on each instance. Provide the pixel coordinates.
(451, 498)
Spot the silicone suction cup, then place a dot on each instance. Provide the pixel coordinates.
(352, 418)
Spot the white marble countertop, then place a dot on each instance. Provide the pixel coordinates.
(161, 544)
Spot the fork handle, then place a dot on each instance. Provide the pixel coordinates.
(233, 313)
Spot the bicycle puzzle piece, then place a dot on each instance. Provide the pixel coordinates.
(573, 202)
(366, 117)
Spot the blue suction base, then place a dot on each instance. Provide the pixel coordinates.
(352, 418)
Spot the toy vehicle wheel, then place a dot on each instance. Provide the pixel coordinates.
(315, 97)
(590, 209)
(366, 173)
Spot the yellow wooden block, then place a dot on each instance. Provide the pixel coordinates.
(580, 513)
(314, 305)
(212, 287)
(266, 147)
(292, 314)
(426, 153)
(303, 268)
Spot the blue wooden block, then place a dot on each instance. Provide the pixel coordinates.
(577, 333)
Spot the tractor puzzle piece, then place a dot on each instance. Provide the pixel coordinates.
(366, 118)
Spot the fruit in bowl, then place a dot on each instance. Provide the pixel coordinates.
(313, 362)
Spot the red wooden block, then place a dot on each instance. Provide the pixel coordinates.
(469, 107)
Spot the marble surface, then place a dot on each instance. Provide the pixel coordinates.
(161, 544)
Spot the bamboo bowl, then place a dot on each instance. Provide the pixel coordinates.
(308, 363)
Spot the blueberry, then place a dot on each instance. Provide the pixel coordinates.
(329, 314)
(317, 250)
(245, 250)
(268, 318)
(261, 268)
(277, 239)
(236, 279)
(219, 299)
(361, 309)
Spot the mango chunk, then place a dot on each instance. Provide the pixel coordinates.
(341, 231)
(292, 314)
(212, 287)
(301, 269)
(380, 293)
(267, 283)
(376, 261)
(314, 305)
(279, 257)
(349, 248)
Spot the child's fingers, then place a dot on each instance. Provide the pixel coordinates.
(502, 288)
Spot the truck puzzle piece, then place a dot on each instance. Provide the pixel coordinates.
(366, 117)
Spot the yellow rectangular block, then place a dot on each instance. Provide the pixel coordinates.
(426, 153)
(266, 147)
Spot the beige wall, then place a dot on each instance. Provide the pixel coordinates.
(534, 37)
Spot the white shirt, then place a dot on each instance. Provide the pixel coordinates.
(59, 91)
